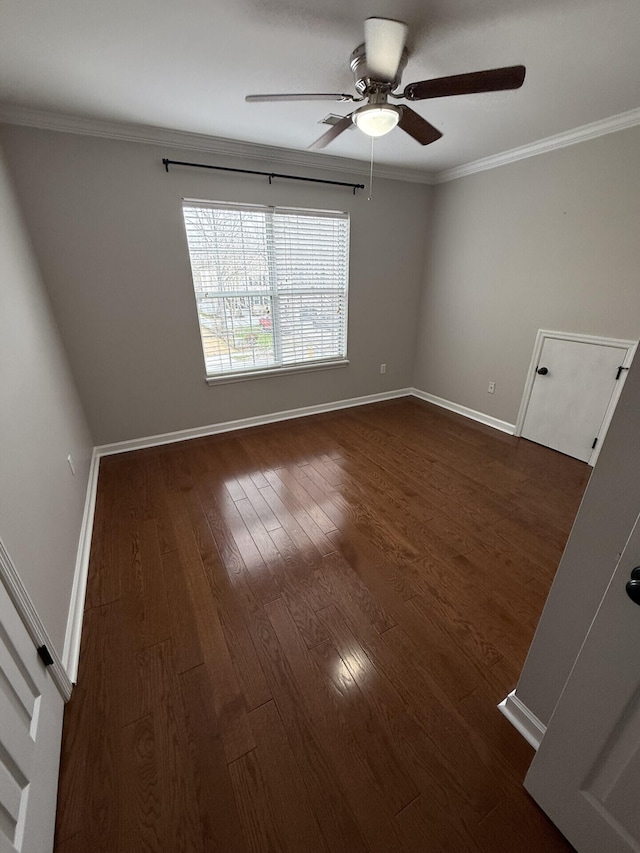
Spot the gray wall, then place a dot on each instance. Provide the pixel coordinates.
(106, 223)
(604, 522)
(550, 242)
(41, 421)
(545, 243)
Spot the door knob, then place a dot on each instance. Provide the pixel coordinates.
(633, 586)
(542, 371)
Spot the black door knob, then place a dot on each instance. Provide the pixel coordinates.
(633, 586)
(542, 371)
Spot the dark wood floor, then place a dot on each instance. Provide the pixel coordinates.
(296, 635)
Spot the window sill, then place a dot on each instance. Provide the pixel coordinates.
(275, 371)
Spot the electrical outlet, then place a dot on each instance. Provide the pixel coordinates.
(71, 465)
(383, 368)
(492, 388)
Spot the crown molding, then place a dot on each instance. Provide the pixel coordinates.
(622, 121)
(64, 123)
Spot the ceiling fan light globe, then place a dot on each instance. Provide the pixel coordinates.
(376, 120)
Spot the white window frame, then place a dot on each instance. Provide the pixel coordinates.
(278, 368)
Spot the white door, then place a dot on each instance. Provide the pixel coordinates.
(586, 773)
(573, 386)
(31, 710)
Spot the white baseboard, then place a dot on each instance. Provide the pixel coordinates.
(289, 414)
(73, 634)
(488, 420)
(524, 720)
(244, 423)
(34, 625)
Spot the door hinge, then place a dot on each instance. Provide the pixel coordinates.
(619, 373)
(595, 441)
(45, 656)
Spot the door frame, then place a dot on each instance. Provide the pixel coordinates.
(33, 623)
(541, 337)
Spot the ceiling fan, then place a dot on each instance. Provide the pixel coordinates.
(377, 66)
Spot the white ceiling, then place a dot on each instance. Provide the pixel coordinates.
(188, 65)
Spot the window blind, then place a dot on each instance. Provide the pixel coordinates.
(271, 285)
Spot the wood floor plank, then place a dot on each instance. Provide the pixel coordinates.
(426, 827)
(155, 612)
(348, 586)
(157, 506)
(445, 639)
(303, 575)
(284, 784)
(361, 666)
(363, 793)
(262, 577)
(519, 826)
(296, 636)
(373, 736)
(218, 814)
(75, 844)
(357, 550)
(284, 582)
(438, 779)
(246, 665)
(250, 789)
(299, 526)
(88, 782)
(385, 481)
(281, 478)
(257, 498)
(222, 586)
(184, 631)
(453, 744)
(345, 504)
(173, 770)
(225, 690)
(334, 814)
(144, 821)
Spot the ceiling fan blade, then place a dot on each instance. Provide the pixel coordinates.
(418, 127)
(331, 134)
(467, 84)
(384, 42)
(312, 96)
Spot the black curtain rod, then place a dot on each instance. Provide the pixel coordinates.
(269, 175)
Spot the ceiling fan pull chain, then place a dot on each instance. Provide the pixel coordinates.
(370, 196)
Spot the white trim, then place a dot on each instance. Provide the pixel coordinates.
(32, 622)
(613, 124)
(524, 720)
(541, 336)
(73, 634)
(276, 371)
(245, 423)
(613, 402)
(127, 132)
(488, 420)
(184, 140)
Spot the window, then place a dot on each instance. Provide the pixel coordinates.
(270, 284)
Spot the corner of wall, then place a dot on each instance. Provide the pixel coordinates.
(73, 634)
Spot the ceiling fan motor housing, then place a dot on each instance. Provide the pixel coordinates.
(378, 65)
(364, 82)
